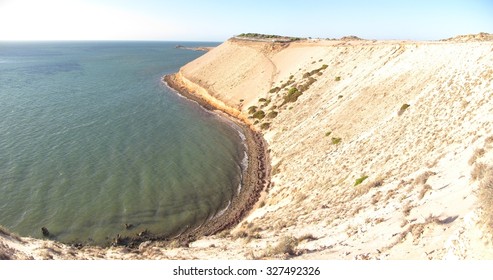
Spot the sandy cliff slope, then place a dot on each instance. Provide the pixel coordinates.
(379, 149)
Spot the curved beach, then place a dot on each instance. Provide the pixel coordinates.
(255, 177)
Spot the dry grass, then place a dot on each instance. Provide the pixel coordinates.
(308, 237)
(365, 188)
(248, 232)
(424, 190)
(286, 246)
(407, 209)
(479, 171)
(376, 198)
(390, 194)
(299, 197)
(379, 220)
(486, 197)
(404, 223)
(416, 230)
(423, 178)
(475, 155)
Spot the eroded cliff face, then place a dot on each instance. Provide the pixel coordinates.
(379, 149)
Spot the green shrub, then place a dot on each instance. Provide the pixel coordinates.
(328, 133)
(262, 100)
(336, 140)
(265, 125)
(275, 90)
(252, 109)
(324, 67)
(306, 86)
(287, 83)
(259, 114)
(292, 90)
(268, 36)
(338, 78)
(272, 114)
(360, 180)
(292, 95)
(402, 109)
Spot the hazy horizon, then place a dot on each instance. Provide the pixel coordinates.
(216, 21)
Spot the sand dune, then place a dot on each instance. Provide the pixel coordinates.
(411, 121)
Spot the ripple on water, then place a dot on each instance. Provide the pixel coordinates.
(93, 141)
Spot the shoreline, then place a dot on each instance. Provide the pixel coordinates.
(195, 49)
(255, 178)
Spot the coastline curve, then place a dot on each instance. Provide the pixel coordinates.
(256, 177)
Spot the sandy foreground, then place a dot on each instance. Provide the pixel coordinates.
(383, 150)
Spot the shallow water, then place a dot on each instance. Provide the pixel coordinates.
(91, 139)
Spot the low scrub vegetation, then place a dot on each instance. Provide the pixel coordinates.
(265, 126)
(252, 109)
(287, 245)
(272, 114)
(268, 37)
(365, 188)
(336, 140)
(403, 109)
(477, 154)
(424, 190)
(486, 196)
(423, 178)
(292, 95)
(259, 114)
(360, 180)
(306, 86)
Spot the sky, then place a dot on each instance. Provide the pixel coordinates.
(218, 20)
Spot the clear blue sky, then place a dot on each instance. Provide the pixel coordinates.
(217, 20)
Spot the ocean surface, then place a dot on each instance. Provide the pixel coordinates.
(91, 139)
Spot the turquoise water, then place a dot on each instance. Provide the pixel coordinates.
(91, 139)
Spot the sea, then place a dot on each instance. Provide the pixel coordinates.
(93, 144)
